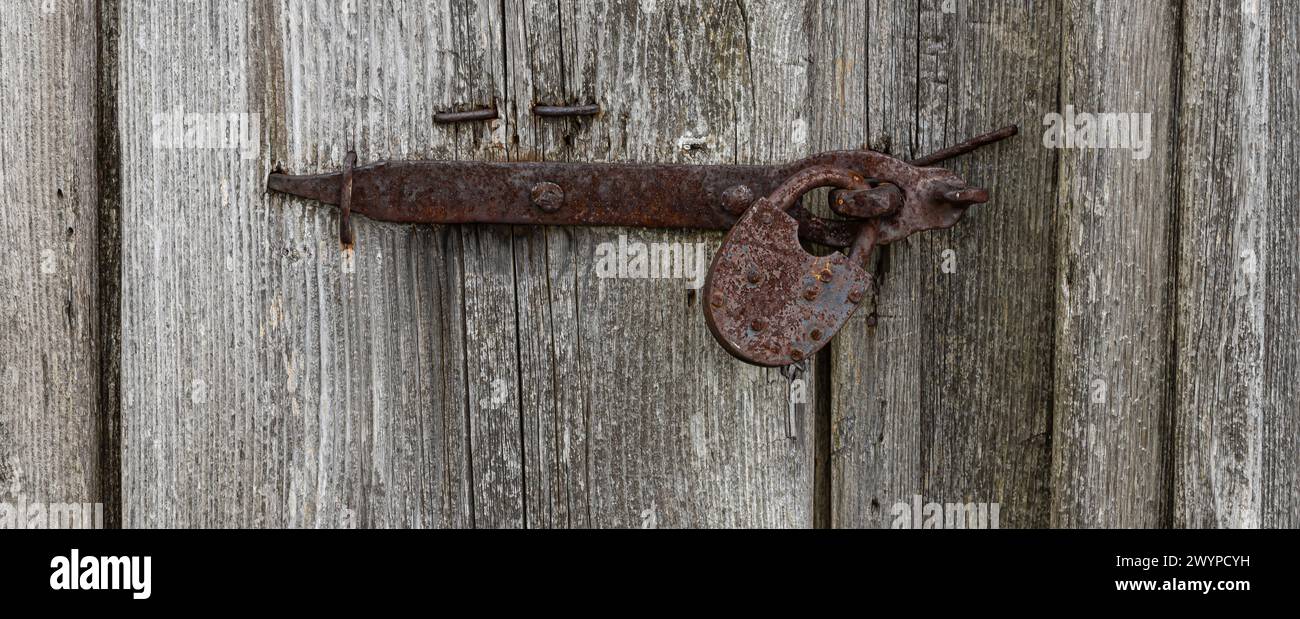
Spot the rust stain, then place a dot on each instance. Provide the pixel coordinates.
(770, 302)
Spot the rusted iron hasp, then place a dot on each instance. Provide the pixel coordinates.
(769, 301)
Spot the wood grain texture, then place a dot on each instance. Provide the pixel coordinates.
(50, 447)
(269, 379)
(946, 392)
(1238, 335)
(1223, 263)
(1281, 458)
(838, 95)
(487, 376)
(632, 415)
(1114, 273)
(452, 371)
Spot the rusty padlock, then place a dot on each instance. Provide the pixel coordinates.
(772, 303)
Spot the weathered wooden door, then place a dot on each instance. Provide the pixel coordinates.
(443, 376)
(1112, 341)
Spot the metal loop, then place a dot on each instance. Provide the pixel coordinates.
(811, 178)
(487, 113)
(566, 110)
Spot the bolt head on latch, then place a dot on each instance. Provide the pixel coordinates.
(547, 196)
(738, 198)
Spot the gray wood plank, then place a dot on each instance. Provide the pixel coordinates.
(1281, 458)
(1223, 263)
(943, 390)
(492, 324)
(632, 415)
(1114, 273)
(50, 418)
(270, 378)
(838, 95)
(1238, 334)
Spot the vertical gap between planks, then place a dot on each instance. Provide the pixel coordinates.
(462, 233)
(519, 383)
(822, 488)
(471, 489)
(822, 401)
(1064, 34)
(925, 417)
(514, 281)
(108, 168)
(1175, 242)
